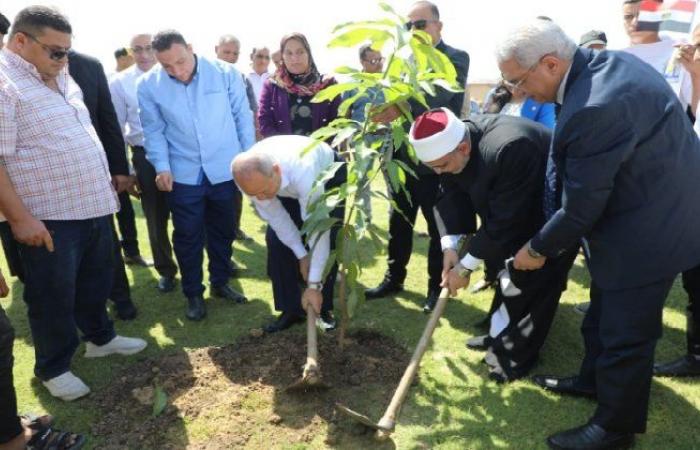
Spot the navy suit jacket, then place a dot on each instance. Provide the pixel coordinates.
(629, 164)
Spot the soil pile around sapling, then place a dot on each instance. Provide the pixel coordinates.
(234, 396)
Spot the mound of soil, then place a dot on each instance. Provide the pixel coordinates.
(235, 397)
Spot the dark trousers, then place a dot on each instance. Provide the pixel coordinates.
(620, 332)
(691, 284)
(10, 425)
(238, 204)
(155, 208)
(127, 226)
(203, 215)
(68, 288)
(515, 350)
(423, 192)
(121, 293)
(283, 266)
(9, 245)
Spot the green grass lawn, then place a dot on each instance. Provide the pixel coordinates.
(455, 406)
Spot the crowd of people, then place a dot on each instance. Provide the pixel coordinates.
(578, 150)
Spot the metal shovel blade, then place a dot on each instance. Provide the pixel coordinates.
(357, 417)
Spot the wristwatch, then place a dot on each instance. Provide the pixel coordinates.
(315, 285)
(462, 271)
(533, 253)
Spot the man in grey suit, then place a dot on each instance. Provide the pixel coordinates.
(622, 179)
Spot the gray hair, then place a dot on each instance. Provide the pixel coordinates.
(229, 39)
(246, 164)
(529, 43)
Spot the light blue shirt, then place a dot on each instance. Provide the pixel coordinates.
(195, 130)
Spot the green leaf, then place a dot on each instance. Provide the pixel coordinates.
(333, 91)
(345, 70)
(160, 401)
(359, 35)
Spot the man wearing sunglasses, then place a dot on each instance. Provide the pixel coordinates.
(423, 190)
(57, 196)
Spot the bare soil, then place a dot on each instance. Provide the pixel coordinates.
(234, 396)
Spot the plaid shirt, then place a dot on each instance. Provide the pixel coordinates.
(49, 147)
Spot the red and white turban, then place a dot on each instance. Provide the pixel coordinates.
(436, 133)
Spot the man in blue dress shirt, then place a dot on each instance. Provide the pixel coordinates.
(196, 119)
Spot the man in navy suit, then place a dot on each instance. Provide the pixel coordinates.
(622, 179)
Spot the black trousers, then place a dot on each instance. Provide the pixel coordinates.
(238, 202)
(155, 209)
(620, 332)
(514, 351)
(127, 226)
(691, 284)
(9, 245)
(10, 426)
(423, 191)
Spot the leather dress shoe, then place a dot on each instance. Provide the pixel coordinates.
(563, 385)
(480, 343)
(196, 308)
(137, 260)
(385, 289)
(229, 293)
(590, 436)
(284, 321)
(687, 366)
(166, 284)
(126, 310)
(430, 301)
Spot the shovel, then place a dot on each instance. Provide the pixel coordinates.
(387, 423)
(311, 376)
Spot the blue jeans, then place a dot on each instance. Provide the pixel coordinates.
(68, 289)
(203, 215)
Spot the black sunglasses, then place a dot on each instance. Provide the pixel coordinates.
(418, 24)
(54, 54)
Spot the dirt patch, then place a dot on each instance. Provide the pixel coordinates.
(234, 396)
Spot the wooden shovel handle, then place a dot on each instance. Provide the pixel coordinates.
(311, 337)
(388, 421)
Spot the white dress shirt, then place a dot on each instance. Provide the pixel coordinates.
(299, 172)
(257, 82)
(123, 90)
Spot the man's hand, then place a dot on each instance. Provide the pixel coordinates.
(453, 282)
(30, 231)
(134, 189)
(523, 260)
(449, 260)
(4, 288)
(385, 115)
(164, 181)
(312, 297)
(120, 183)
(304, 264)
(689, 57)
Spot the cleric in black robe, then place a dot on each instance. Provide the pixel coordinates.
(495, 165)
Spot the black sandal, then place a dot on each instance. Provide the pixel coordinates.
(49, 438)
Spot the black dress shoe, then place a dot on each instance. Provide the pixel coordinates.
(284, 321)
(166, 284)
(126, 310)
(385, 289)
(480, 343)
(431, 301)
(137, 260)
(196, 308)
(229, 293)
(687, 366)
(563, 385)
(590, 436)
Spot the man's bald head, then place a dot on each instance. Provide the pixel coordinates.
(257, 174)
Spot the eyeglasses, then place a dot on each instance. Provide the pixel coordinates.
(418, 24)
(138, 49)
(515, 84)
(54, 54)
(374, 61)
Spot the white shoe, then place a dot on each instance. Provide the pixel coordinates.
(67, 387)
(120, 344)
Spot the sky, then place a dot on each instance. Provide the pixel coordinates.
(100, 27)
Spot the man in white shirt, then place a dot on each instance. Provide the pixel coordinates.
(274, 174)
(259, 60)
(153, 201)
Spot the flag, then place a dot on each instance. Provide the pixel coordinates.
(678, 17)
(650, 15)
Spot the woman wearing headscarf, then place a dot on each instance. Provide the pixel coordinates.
(286, 108)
